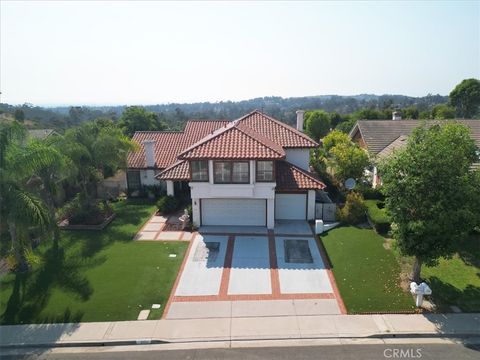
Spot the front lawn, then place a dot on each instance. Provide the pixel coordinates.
(367, 274)
(456, 281)
(95, 275)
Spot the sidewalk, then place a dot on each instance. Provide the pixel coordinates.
(251, 328)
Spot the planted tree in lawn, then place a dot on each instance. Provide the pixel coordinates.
(20, 206)
(97, 150)
(432, 195)
(345, 158)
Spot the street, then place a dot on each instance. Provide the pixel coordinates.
(334, 352)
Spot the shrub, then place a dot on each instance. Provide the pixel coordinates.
(370, 193)
(168, 204)
(378, 216)
(354, 210)
(84, 211)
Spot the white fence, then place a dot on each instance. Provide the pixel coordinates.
(325, 211)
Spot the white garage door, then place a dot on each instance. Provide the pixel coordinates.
(234, 212)
(290, 206)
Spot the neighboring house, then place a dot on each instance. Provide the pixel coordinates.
(382, 137)
(42, 134)
(251, 171)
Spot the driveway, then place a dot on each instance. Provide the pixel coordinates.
(241, 274)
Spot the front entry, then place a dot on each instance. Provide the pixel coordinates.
(290, 206)
(243, 212)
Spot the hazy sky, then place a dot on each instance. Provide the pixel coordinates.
(155, 52)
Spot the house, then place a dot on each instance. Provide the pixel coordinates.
(250, 171)
(382, 137)
(42, 134)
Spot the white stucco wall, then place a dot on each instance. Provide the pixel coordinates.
(299, 157)
(209, 190)
(147, 177)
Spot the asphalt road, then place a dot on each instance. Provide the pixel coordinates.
(343, 352)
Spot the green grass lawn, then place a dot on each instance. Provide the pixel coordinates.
(95, 276)
(366, 273)
(456, 281)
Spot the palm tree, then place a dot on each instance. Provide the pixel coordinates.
(20, 207)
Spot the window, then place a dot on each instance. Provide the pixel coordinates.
(199, 170)
(228, 172)
(133, 180)
(265, 171)
(240, 172)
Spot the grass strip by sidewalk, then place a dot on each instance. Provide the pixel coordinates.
(367, 274)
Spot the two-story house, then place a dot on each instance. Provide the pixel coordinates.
(251, 171)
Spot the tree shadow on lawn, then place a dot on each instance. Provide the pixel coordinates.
(444, 295)
(32, 291)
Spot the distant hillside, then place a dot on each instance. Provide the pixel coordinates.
(175, 114)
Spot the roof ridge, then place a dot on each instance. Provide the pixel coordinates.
(286, 126)
(261, 138)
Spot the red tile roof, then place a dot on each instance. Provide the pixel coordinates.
(280, 133)
(170, 143)
(291, 178)
(254, 136)
(235, 141)
(179, 171)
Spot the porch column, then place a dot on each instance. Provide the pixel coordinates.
(311, 205)
(170, 190)
(270, 213)
(196, 211)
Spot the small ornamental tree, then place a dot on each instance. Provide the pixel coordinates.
(432, 195)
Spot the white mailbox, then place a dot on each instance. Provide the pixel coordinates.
(318, 226)
(419, 291)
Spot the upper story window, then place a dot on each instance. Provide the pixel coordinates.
(231, 172)
(265, 171)
(199, 170)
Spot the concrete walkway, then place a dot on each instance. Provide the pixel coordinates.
(244, 328)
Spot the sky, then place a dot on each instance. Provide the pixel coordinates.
(132, 52)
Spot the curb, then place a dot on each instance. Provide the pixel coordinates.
(105, 343)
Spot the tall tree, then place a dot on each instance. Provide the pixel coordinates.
(97, 150)
(19, 115)
(20, 207)
(443, 112)
(136, 118)
(466, 98)
(317, 124)
(431, 194)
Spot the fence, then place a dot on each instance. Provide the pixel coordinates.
(325, 211)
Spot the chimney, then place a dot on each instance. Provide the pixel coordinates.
(149, 146)
(396, 115)
(300, 114)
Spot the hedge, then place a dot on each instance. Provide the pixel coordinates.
(378, 216)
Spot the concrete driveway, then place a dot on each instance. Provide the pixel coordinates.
(241, 274)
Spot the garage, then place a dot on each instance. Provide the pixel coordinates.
(252, 212)
(290, 206)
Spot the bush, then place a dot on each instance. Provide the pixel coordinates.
(370, 193)
(168, 204)
(84, 211)
(354, 210)
(378, 216)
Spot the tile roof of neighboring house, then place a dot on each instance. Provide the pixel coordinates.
(42, 134)
(291, 178)
(170, 143)
(280, 133)
(179, 171)
(378, 134)
(398, 143)
(234, 141)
